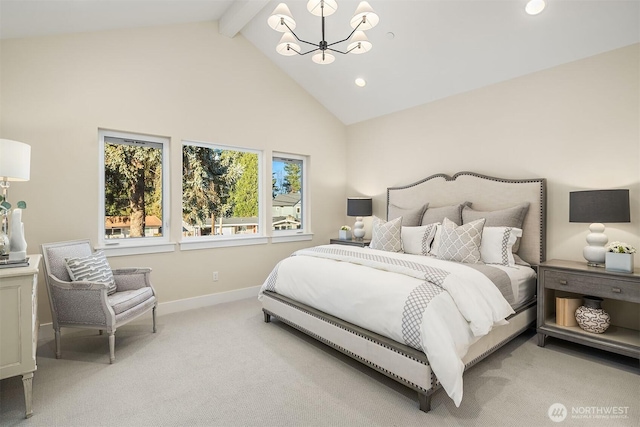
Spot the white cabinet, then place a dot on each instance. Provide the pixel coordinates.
(19, 324)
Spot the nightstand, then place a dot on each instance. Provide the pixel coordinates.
(362, 243)
(621, 291)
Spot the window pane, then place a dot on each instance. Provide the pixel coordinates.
(133, 189)
(219, 191)
(287, 194)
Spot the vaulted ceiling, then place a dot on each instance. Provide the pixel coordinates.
(422, 50)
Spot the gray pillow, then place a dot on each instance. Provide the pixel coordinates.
(386, 236)
(461, 243)
(509, 217)
(410, 217)
(453, 212)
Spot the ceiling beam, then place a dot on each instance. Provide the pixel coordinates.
(238, 15)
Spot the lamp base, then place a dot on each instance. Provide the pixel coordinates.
(358, 229)
(595, 252)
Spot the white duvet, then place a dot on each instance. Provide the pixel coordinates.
(387, 293)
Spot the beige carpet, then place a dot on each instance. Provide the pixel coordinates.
(223, 366)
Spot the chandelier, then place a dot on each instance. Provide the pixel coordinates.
(363, 19)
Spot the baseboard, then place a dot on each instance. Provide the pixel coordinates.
(46, 329)
(206, 300)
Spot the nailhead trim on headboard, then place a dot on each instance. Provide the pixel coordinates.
(542, 204)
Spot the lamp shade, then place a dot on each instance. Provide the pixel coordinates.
(281, 13)
(359, 206)
(323, 57)
(364, 10)
(599, 206)
(315, 7)
(15, 160)
(359, 43)
(288, 45)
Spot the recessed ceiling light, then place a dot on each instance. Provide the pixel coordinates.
(534, 7)
(361, 82)
(390, 35)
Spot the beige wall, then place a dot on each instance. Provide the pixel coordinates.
(183, 82)
(576, 125)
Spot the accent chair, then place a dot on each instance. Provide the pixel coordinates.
(93, 304)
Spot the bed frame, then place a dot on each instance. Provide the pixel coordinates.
(398, 361)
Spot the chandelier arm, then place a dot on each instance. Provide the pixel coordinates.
(302, 54)
(348, 37)
(339, 51)
(298, 38)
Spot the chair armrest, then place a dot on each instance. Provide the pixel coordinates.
(80, 285)
(128, 279)
(81, 302)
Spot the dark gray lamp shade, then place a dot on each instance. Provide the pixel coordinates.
(359, 206)
(599, 206)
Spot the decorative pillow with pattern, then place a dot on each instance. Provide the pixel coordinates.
(92, 268)
(417, 240)
(386, 236)
(461, 243)
(497, 245)
(410, 217)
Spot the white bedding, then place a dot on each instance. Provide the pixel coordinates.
(387, 293)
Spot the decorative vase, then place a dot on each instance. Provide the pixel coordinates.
(619, 262)
(16, 241)
(591, 317)
(344, 235)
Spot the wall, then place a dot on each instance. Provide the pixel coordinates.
(184, 82)
(576, 125)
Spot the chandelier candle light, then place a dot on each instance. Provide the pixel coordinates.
(364, 19)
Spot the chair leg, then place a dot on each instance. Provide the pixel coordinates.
(58, 351)
(154, 319)
(112, 346)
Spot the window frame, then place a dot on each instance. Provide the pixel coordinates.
(211, 241)
(143, 245)
(304, 233)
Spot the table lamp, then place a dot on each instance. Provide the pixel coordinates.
(15, 158)
(597, 207)
(359, 207)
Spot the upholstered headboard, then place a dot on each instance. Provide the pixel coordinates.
(486, 194)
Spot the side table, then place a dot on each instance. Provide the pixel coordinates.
(559, 277)
(19, 324)
(353, 242)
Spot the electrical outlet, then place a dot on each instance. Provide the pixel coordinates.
(215, 276)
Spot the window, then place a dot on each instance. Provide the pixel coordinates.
(289, 196)
(221, 193)
(134, 190)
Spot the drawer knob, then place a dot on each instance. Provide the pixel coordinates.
(616, 290)
(563, 282)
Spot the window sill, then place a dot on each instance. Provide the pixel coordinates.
(190, 244)
(297, 237)
(136, 249)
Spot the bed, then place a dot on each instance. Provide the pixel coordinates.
(419, 315)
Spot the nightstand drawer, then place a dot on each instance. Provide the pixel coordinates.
(591, 284)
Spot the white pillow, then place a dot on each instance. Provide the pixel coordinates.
(461, 243)
(417, 240)
(386, 236)
(497, 244)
